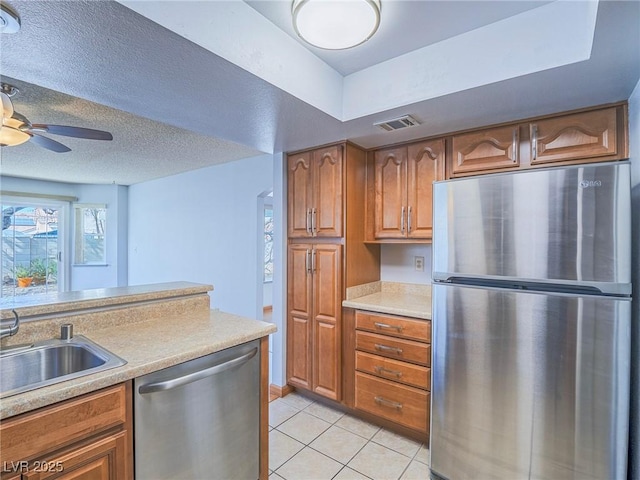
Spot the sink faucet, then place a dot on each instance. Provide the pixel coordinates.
(11, 329)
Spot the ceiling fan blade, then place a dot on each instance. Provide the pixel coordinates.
(77, 132)
(47, 143)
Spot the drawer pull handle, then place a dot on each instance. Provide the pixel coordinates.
(385, 371)
(388, 403)
(386, 348)
(379, 325)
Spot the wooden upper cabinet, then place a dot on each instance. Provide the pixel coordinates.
(587, 136)
(299, 194)
(326, 219)
(593, 136)
(425, 165)
(490, 149)
(315, 193)
(390, 193)
(403, 189)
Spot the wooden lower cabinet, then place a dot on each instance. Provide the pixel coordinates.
(98, 460)
(88, 438)
(407, 406)
(392, 368)
(313, 320)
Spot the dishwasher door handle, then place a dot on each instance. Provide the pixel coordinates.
(195, 376)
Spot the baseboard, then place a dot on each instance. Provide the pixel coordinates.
(276, 391)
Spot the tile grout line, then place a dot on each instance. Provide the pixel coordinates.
(368, 440)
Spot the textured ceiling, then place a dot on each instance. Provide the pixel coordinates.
(135, 72)
(141, 149)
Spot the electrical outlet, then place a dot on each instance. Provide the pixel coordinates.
(419, 263)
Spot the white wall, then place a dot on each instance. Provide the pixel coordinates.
(115, 197)
(634, 145)
(279, 339)
(201, 226)
(114, 273)
(397, 263)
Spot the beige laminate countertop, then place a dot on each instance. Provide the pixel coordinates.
(55, 303)
(147, 346)
(393, 298)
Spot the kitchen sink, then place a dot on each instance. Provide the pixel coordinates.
(52, 361)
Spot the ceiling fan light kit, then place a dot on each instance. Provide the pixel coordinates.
(10, 137)
(9, 20)
(335, 24)
(17, 129)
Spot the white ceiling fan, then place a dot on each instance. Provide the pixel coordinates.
(17, 129)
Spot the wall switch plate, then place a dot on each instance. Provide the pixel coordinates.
(419, 263)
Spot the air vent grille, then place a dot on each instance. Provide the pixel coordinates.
(398, 123)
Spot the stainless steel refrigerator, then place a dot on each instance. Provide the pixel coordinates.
(531, 324)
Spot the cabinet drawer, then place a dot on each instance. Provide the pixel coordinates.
(404, 405)
(395, 370)
(394, 347)
(397, 326)
(52, 427)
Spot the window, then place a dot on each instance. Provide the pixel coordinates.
(268, 243)
(90, 224)
(31, 239)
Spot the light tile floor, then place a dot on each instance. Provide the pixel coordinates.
(310, 441)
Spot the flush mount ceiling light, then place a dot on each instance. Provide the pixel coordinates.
(9, 20)
(335, 24)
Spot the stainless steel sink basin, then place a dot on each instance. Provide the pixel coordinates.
(52, 361)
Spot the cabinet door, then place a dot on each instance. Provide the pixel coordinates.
(104, 459)
(425, 164)
(326, 215)
(299, 188)
(581, 136)
(299, 316)
(491, 149)
(327, 307)
(391, 193)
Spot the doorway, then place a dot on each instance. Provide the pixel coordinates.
(266, 263)
(32, 246)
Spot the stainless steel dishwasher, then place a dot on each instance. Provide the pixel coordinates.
(199, 420)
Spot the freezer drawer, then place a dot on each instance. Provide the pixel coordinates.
(200, 419)
(529, 385)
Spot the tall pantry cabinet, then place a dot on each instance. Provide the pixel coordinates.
(326, 190)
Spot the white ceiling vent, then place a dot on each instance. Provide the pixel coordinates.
(398, 123)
